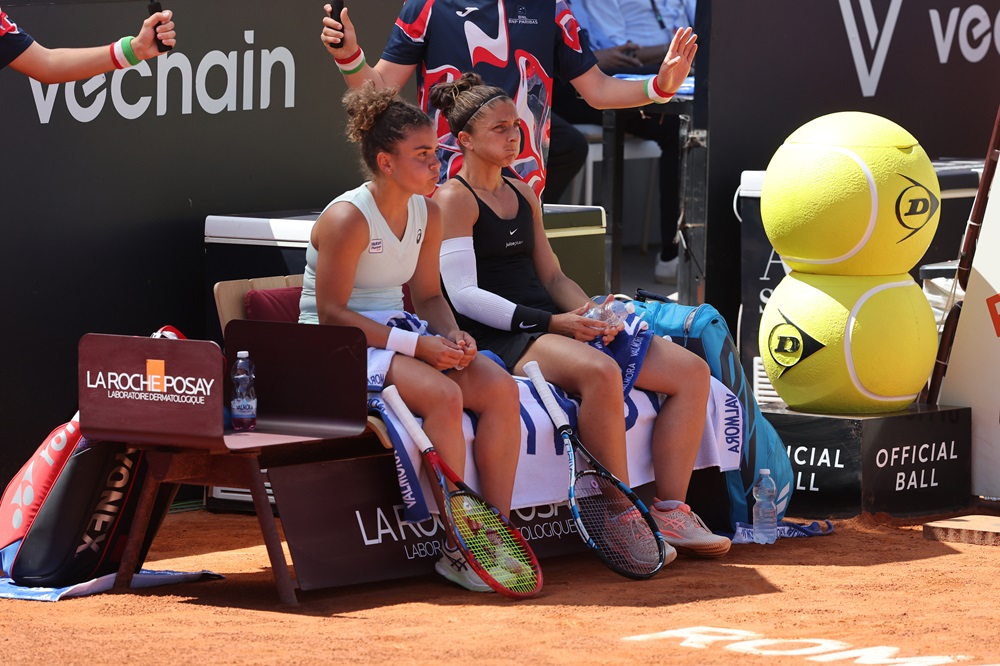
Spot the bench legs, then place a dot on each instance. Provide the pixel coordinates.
(205, 469)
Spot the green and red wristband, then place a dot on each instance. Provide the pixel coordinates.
(122, 55)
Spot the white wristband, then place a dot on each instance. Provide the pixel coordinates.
(654, 93)
(402, 342)
(353, 64)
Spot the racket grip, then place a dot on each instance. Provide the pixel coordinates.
(556, 413)
(153, 8)
(336, 9)
(395, 401)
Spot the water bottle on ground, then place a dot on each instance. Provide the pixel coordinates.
(765, 513)
(613, 312)
(243, 407)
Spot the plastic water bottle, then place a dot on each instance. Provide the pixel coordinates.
(243, 406)
(765, 513)
(612, 312)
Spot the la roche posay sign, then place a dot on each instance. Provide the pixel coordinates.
(154, 385)
(249, 79)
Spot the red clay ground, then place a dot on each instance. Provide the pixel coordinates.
(873, 584)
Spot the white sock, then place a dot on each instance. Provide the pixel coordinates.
(667, 505)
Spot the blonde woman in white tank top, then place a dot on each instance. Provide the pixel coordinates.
(436, 375)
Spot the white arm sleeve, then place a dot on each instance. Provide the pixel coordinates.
(461, 281)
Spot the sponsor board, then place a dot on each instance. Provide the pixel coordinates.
(915, 461)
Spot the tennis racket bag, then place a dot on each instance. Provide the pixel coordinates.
(723, 499)
(67, 523)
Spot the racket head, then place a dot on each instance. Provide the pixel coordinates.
(616, 524)
(494, 548)
(611, 519)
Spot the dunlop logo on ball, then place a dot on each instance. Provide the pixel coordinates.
(916, 205)
(788, 344)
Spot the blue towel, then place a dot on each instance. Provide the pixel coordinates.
(145, 578)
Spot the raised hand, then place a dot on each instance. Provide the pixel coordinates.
(335, 32)
(677, 63)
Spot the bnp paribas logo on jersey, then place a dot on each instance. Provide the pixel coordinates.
(522, 17)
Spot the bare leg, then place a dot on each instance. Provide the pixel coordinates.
(437, 400)
(684, 376)
(596, 378)
(489, 391)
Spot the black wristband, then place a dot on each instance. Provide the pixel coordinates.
(530, 320)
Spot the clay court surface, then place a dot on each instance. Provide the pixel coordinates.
(874, 586)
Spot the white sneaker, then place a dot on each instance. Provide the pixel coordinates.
(455, 568)
(665, 271)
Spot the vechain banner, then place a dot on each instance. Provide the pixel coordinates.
(106, 183)
(927, 65)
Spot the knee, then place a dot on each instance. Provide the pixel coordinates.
(493, 386)
(698, 375)
(601, 375)
(448, 399)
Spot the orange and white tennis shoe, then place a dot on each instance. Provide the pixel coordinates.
(685, 531)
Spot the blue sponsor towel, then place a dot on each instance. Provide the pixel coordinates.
(145, 578)
(786, 529)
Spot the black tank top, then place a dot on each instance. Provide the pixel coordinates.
(504, 260)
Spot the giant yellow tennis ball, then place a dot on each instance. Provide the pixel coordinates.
(846, 344)
(850, 194)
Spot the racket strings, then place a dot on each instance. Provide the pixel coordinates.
(617, 527)
(490, 541)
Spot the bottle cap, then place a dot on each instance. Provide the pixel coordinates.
(242, 354)
(765, 471)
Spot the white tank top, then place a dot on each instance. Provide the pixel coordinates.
(383, 268)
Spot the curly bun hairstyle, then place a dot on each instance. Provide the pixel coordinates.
(377, 120)
(460, 100)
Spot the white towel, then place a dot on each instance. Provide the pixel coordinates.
(542, 476)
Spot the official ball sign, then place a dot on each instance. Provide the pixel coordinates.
(914, 462)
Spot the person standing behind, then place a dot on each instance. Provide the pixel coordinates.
(25, 55)
(631, 37)
(518, 45)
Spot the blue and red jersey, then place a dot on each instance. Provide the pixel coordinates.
(13, 42)
(517, 45)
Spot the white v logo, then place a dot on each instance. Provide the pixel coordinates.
(496, 48)
(878, 40)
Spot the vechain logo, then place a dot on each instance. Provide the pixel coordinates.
(969, 27)
(219, 82)
(789, 345)
(915, 207)
(155, 385)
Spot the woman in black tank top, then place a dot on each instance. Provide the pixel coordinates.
(507, 281)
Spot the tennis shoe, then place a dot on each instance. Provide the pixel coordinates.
(685, 531)
(633, 543)
(455, 568)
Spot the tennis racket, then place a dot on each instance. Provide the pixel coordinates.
(611, 519)
(494, 548)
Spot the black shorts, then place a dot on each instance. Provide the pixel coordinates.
(508, 345)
